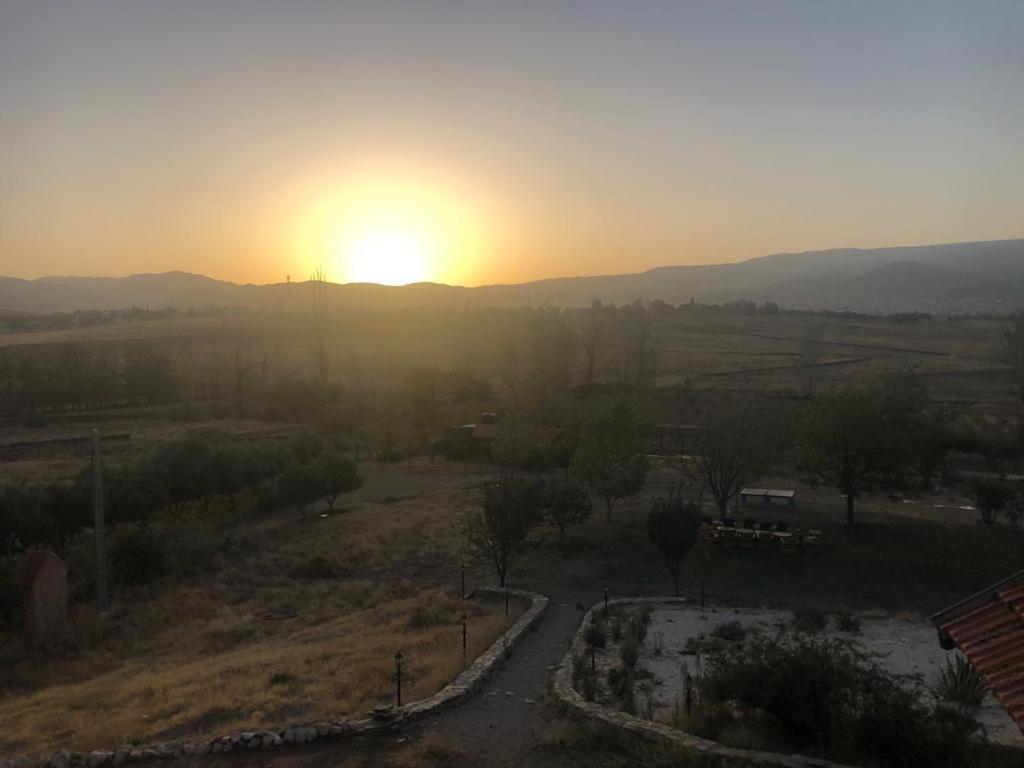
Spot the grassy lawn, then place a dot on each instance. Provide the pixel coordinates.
(297, 622)
(886, 562)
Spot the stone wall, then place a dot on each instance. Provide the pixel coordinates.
(465, 684)
(705, 753)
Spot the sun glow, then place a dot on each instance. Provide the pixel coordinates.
(391, 233)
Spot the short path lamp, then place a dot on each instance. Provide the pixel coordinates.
(465, 631)
(398, 677)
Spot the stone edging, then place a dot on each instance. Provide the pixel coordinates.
(706, 752)
(468, 681)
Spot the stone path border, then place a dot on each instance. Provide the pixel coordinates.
(707, 753)
(462, 686)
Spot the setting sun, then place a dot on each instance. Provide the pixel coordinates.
(391, 232)
(388, 257)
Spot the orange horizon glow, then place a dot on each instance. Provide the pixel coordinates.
(498, 143)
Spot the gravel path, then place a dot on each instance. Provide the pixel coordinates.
(498, 725)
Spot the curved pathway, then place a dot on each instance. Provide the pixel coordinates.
(497, 726)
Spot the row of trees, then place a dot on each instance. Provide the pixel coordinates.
(178, 478)
(65, 377)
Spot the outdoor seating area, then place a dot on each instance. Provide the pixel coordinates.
(751, 534)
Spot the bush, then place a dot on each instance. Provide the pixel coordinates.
(847, 622)
(829, 695)
(315, 568)
(595, 634)
(959, 683)
(630, 652)
(730, 631)
(138, 555)
(809, 620)
(620, 684)
(990, 498)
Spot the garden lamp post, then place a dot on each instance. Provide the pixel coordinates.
(465, 632)
(398, 677)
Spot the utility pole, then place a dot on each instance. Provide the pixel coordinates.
(99, 526)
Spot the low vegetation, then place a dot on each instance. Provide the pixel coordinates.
(825, 696)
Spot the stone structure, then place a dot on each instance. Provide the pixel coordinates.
(703, 752)
(44, 581)
(464, 685)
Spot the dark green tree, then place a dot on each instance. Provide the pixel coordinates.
(610, 457)
(498, 533)
(565, 504)
(673, 526)
(338, 474)
(862, 440)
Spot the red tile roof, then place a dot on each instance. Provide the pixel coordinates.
(988, 628)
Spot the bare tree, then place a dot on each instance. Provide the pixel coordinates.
(730, 453)
(639, 353)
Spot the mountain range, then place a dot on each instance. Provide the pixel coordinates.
(980, 276)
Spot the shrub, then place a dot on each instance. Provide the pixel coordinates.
(595, 634)
(959, 683)
(730, 631)
(847, 622)
(315, 568)
(829, 695)
(630, 652)
(616, 628)
(990, 498)
(281, 677)
(620, 684)
(809, 620)
(138, 555)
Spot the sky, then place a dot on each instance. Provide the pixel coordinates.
(483, 142)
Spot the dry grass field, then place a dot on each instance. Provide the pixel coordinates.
(297, 622)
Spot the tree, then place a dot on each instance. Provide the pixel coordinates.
(339, 475)
(499, 532)
(566, 504)
(610, 458)
(318, 281)
(592, 330)
(673, 526)
(730, 453)
(639, 353)
(990, 498)
(301, 485)
(862, 440)
(149, 375)
(810, 358)
(1013, 350)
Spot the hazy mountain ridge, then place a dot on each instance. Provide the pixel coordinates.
(983, 276)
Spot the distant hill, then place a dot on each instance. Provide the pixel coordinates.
(983, 276)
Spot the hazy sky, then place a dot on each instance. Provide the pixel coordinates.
(502, 141)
